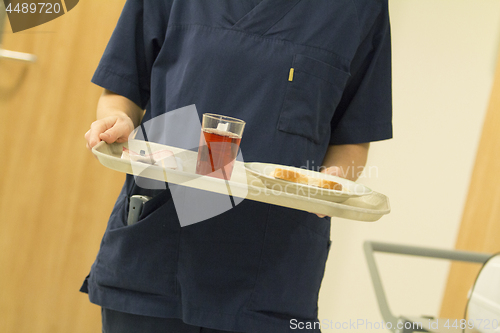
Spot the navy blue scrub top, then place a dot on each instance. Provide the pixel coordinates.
(256, 266)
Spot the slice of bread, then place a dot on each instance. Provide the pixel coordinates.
(297, 177)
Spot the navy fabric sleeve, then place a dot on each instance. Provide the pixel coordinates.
(125, 67)
(364, 113)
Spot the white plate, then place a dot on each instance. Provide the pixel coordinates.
(350, 189)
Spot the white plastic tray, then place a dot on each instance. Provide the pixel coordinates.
(243, 184)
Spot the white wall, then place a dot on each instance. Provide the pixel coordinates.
(444, 55)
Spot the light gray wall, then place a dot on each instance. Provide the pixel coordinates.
(444, 56)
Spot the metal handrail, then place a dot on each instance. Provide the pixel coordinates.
(13, 55)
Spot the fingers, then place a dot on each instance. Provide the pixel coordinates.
(333, 171)
(87, 139)
(116, 129)
(87, 144)
(109, 129)
(92, 135)
(319, 215)
(87, 135)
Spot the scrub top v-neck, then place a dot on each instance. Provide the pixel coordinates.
(256, 266)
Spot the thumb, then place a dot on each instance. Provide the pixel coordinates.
(109, 135)
(119, 131)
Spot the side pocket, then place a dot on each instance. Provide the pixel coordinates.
(158, 198)
(156, 202)
(313, 93)
(142, 257)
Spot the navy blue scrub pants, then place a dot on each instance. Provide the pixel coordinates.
(120, 322)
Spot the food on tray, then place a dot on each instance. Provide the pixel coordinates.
(297, 177)
(163, 157)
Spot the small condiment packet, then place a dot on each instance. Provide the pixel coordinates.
(164, 157)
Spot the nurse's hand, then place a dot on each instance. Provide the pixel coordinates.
(115, 128)
(117, 116)
(344, 160)
(334, 171)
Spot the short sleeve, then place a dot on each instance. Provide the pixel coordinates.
(125, 67)
(364, 113)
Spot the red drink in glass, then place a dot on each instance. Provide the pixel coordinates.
(217, 152)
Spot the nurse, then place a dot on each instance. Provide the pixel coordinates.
(312, 81)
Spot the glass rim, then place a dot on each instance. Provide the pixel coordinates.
(224, 118)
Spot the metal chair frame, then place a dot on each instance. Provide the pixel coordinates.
(372, 246)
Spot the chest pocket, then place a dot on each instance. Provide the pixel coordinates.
(313, 92)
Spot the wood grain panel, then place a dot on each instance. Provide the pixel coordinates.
(54, 196)
(480, 227)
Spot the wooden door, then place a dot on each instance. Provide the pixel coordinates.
(480, 227)
(54, 196)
